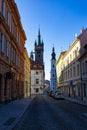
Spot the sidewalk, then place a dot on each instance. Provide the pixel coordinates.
(79, 101)
(11, 113)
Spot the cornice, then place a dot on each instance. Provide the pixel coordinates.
(70, 48)
(16, 15)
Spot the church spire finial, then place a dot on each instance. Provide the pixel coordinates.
(39, 30)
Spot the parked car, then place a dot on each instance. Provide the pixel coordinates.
(48, 92)
(51, 93)
(58, 95)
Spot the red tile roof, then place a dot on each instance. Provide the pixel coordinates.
(35, 65)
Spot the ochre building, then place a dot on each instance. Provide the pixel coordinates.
(26, 74)
(12, 41)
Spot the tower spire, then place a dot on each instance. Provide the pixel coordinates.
(53, 54)
(39, 37)
(39, 49)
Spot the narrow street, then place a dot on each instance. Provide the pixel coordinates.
(46, 113)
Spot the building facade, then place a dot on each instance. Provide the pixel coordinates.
(83, 64)
(12, 41)
(71, 68)
(37, 78)
(26, 74)
(53, 71)
(59, 71)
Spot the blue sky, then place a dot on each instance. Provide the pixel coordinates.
(59, 21)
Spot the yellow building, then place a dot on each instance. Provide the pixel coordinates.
(59, 71)
(26, 74)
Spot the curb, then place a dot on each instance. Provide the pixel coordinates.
(76, 101)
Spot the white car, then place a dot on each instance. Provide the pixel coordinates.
(58, 95)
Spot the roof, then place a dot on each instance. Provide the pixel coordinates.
(60, 56)
(35, 65)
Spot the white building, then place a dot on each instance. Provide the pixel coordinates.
(37, 78)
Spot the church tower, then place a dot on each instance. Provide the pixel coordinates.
(39, 49)
(53, 70)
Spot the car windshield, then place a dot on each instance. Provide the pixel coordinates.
(59, 93)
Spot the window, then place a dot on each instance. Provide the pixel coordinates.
(3, 8)
(2, 43)
(67, 60)
(37, 90)
(71, 72)
(83, 68)
(37, 81)
(34, 66)
(37, 72)
(12, 53)
(39, 56)
(74, 71)
(70, 57)
(68, 74)
(13, 27)
(19, 41)
(53, 66)
(86, 67)
(7, 48)
(16, 59)
(39, 52)
(85, 90)
(75, 53)
(8, 18)
(78, 70)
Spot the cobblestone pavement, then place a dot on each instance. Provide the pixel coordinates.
(46, 113)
